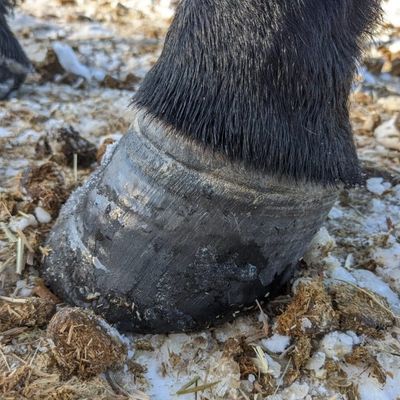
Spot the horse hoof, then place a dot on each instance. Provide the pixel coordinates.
(167, 236)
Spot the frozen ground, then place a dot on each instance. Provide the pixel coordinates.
(335, 335)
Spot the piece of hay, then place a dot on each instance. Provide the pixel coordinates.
(82, 345)
(309, 313)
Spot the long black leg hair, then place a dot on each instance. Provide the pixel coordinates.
(264, 81)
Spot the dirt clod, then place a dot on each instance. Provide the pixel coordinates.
(310, 312)
(66, 142)
(29, 312)
(45, 184)
(301, 352)
(359, 312)
(82, 346)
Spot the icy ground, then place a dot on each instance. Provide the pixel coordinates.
(89, 58)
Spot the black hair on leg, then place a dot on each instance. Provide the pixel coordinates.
(264, 81)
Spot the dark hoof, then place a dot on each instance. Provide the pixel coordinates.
(167, 237)
(14, 64)
(10, 83)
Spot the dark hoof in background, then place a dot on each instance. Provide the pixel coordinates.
(166, 236)
(14, 64)
(9, 82)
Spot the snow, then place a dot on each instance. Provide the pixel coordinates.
(368, 280)
(320, 245)
(5, 133)
(377, 206)
(396, 190)
(388, 260)
(306, 324)
(22, 222)
(337, 344)
(42, 215)
(377, 185)
(29, 136)
(389, 257)
(162, 388)
(316, 364)
(392, 12)
(23, 288)
(92, 31)
(394, 47)
(276, 343)
(331, 262)
(296, 391)
(274, 368)
(69, 61)
(356, 339)
(91, 126)
(341, 274)
(335, 213)
(369, 387)
(388, 134)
